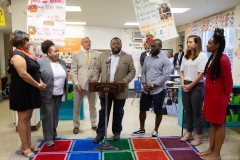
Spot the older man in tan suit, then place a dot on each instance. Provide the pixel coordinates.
(122, 70)
(81, 70)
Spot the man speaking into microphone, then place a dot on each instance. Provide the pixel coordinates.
(121, 70)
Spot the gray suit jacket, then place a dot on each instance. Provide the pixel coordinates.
(80, 71)
(125, 71)
(47, 78)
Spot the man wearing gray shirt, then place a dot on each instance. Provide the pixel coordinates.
(155, 73)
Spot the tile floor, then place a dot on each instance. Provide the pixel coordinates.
(10, 141)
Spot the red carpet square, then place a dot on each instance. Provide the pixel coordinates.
(151, 155)
(145, 144)
(173, 143)
(183, 154)
(55, 156)
(60, 146)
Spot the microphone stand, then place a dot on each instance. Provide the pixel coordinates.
(105, 145)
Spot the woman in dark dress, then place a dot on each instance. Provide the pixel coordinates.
(218, 87)
(25, 88)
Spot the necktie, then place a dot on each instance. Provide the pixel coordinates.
(87, 57)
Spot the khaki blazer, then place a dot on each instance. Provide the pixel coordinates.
(80, 71)
(125, 71)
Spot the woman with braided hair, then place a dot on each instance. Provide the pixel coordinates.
(218, 87)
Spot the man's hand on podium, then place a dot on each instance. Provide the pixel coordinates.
(121, 81)
(93, 80)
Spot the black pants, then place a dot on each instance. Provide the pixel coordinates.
(192, 104)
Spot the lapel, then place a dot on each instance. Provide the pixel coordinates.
(63, 65)
(83, 56)
(92, 55)
(121, 59)
(48, 67)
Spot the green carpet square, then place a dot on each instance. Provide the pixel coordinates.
(118, 155)
(122, 144)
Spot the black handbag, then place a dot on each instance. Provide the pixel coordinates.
(169, 101)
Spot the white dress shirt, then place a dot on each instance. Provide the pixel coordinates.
(59, 76)
(114, 63)
(85, 51)
(191, 68)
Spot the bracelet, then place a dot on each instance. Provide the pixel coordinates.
(152, 86)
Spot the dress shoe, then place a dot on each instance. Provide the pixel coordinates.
(98, 139)
(95, 128)
(184, 139)
(76, 130)
(56, 138)
(116, 137)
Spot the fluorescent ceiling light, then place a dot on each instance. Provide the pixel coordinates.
(73, 8)
(131, 24)
(179, 10)
(76, 23)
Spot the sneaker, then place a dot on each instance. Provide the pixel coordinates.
(139, 132)
(49, 143)
(154, 134)
(56, 138)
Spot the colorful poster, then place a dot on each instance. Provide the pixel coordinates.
(155, 19)
(46, 20)
(137, 46)
(2, 17)
(72, 45)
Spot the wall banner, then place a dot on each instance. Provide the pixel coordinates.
(155, 19)
(2, 17)
(46, 20)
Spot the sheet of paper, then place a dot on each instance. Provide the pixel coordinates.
(85, 86)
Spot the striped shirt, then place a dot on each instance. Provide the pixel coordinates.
(156, 70)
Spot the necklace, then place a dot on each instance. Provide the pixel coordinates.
(27, 54)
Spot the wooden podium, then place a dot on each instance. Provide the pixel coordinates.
(106, 87)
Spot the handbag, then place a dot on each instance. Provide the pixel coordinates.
(169, 101)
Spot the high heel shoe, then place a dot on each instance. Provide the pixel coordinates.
(34, 149)
(28, 153)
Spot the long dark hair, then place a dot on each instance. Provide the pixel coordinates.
(215, 68)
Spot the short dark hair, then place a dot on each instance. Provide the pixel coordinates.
(46, 45)
(115, 38)
(180, 45)
(158, 41)
(18, 38)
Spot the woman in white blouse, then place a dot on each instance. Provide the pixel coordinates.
(170, 58)
(54, 74)
(192, 80)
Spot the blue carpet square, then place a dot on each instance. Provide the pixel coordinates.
(83, 145)
(84, 156)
